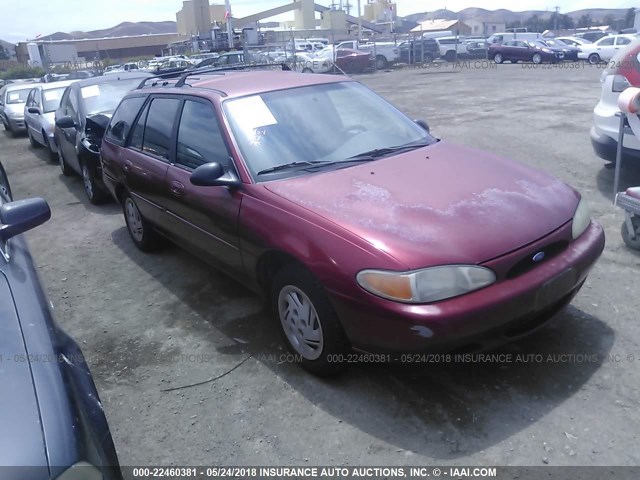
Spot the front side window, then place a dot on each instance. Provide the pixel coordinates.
(275, 128)
(200, 140)
(606, 41)
(157, 132)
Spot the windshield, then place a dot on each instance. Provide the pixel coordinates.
(18, 96)
(319, 123)
(105, 97)
(51, 99)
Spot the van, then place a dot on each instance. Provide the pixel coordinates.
(498, 38)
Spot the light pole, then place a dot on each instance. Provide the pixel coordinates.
(359, 22)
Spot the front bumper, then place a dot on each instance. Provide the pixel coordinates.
(17, 124)
(509, 309)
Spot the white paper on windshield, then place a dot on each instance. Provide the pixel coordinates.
(90, 91)
(251, 112)
(51, 95)
(14, 96)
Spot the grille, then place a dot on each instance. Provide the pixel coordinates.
(527, 262)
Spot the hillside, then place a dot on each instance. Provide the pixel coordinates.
(121, 30)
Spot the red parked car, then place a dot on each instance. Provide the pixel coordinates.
(364, 230)
(353, 61)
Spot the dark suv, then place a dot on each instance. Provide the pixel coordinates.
(419, 52)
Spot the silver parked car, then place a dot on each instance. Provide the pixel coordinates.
(12, 101)
(39, 114)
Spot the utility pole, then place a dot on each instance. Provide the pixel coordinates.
(230, 41)
(359, 22)
(556, 18)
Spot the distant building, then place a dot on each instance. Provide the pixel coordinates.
(194, 18)
(636, 23)
(380, 11)
(442, 25)
(486, 29)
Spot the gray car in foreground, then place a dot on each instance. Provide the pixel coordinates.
(13, 98)
(51, 420)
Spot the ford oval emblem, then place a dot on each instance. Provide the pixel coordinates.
(538, 257)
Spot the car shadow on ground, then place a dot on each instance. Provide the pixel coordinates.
(440, 408)
(74, 184)
(629, 177)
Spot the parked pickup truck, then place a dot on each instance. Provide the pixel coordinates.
(386, 53)
(452, 48)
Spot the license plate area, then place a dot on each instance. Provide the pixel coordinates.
(556, 288)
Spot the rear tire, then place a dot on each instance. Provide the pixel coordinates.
(498, 58)
(142, 234)
(307, 70)
(381, 62)
(309, 325)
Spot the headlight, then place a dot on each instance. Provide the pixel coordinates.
(581, 219)
(426, 285)
(546, 50)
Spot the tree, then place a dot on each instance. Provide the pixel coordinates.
(585, 21)
(630, 18)
(3, 53)
(608, 20)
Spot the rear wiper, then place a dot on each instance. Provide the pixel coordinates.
(380, 152)
(286, 166)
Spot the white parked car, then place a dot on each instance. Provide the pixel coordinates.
(39, 114)
(623, 72)
(574, 41)
(604, 49)
(307, 63)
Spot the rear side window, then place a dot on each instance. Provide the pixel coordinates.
(138, 131)
(123, 119)
(157, 132)
(199, 138)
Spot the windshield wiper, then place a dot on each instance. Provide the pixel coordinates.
(286, 166)
(380, 152)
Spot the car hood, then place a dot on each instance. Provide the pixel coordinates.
(22, 440)
(437, 205)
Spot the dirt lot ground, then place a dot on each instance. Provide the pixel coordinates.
(148, 323)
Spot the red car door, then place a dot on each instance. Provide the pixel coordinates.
(203, 218)
(146, 160)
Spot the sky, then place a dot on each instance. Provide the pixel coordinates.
(48, 16)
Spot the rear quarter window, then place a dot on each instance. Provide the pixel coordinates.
(123, 119)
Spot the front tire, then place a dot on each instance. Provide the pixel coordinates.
(309, 325)
(537, 58)
(64, 167)
(633, 243)
(94, 194)
(594, 58)
(34, 144)
(498, 58)
(307, 70)
(143, 235)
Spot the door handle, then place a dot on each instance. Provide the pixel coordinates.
(176, 189)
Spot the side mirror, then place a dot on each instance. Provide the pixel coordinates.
(423, 124)
(212, 175)
(22, 215)
(34, 110)
(65, 122)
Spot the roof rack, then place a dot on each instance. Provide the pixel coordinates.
(238, 66)
(160, 76)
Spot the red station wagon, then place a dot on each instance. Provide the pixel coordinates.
(364, 230)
